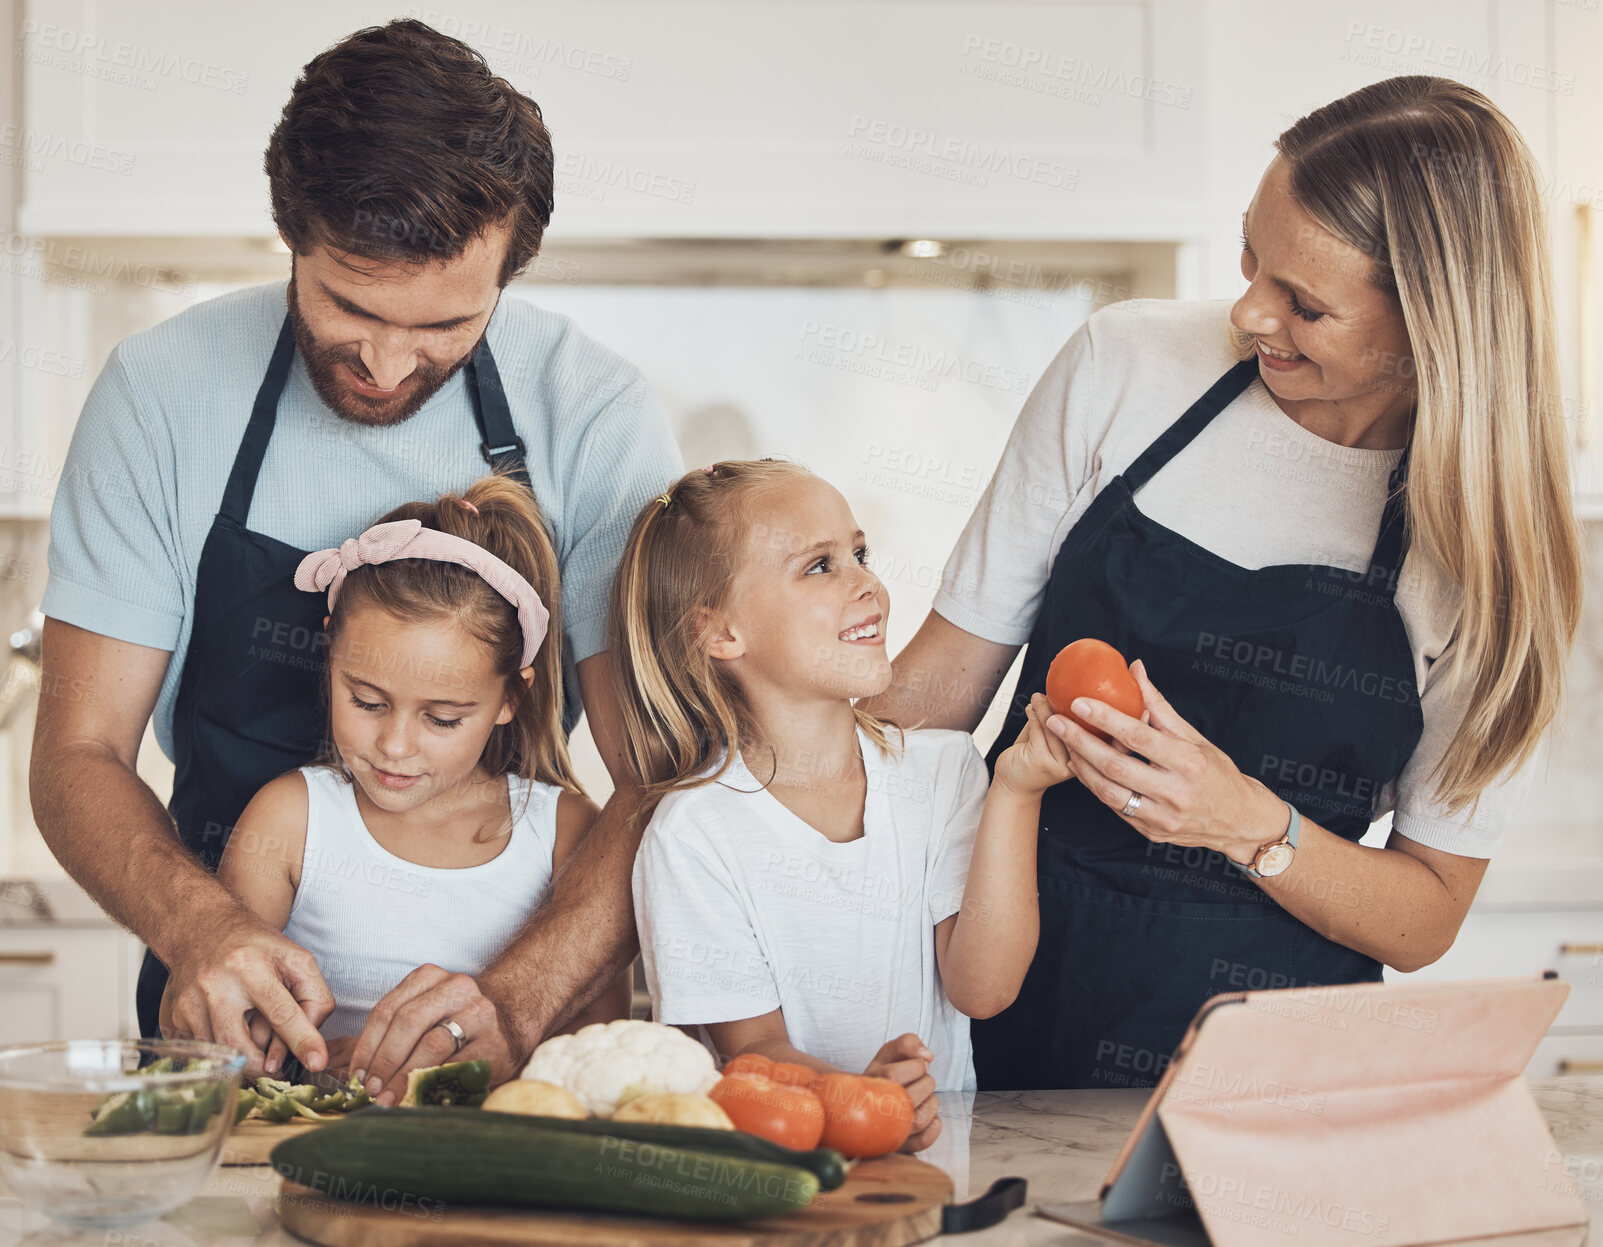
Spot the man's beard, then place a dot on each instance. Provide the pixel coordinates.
(325, 363)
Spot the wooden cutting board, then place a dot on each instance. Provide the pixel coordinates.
(249, 1142)
(885, 1203)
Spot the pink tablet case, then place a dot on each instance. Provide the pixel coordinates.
(1377, 1113)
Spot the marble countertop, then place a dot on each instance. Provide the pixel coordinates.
(1062, 1142)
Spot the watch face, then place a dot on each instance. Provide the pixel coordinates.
(1274, 859)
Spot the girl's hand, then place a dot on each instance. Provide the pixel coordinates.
(1038, 759)
(906, 1060)
(1192, 794)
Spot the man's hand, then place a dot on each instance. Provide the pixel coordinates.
(249, 967)
(906, 1060)
(403, 1032)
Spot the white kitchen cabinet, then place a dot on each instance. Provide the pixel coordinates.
(61, 982)
(1575, 191)
(1561, 121)
(1498, 942)
(789, 118)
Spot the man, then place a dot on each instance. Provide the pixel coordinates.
(410, 185)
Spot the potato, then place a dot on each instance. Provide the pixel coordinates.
(534, 1098)
(675, 1110)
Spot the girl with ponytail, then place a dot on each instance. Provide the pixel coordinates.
(429, 830)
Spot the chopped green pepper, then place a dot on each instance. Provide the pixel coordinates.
(173, 1117)
(463, 1083)
(121, 1114)
(279, 1110)
(245, 1104)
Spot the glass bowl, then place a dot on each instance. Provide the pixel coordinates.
(111, 1132)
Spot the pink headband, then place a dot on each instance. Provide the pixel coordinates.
(408, 539)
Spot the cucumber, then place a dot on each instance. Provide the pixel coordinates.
(826, 1164)
(430, 1158)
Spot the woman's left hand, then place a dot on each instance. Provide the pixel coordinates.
(1192, 794)
(404, 1031)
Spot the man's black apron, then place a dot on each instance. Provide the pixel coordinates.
(1302, 673)
(250, 703)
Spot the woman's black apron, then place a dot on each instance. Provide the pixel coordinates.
(1302, 673)
(250, 704)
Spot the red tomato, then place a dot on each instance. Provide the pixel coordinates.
(1091, 668)
(864, 1116)
(747, 1064)
(788, 1116)
(792, 1074)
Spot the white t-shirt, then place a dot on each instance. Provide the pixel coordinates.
(1254, 487)
(744, 908)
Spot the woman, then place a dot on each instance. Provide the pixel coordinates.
(1348, 573)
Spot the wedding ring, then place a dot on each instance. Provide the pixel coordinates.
(457, 1033)
(1132, 805)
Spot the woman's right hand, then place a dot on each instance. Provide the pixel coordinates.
(906, 1060)
(1038, 759)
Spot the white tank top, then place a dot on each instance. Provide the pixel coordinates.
(371, 918)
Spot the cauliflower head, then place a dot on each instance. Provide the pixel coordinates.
(607, 1064)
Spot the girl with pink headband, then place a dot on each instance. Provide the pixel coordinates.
(428, 832)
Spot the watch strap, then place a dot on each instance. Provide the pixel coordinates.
(1289, 836)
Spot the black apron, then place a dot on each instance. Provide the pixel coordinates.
(1302, 673)
(250, 700)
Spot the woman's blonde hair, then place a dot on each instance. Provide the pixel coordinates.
(502, 516)
(1427, 178)
(683, 711)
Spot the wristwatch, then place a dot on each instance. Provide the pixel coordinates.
(1274, 858)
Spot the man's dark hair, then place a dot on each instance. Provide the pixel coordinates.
(398, 143)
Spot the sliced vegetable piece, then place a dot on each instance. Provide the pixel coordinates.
(464, 1083)
(278, 1110)
(246, 1104)
(173, 1117)
(121, 1114)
